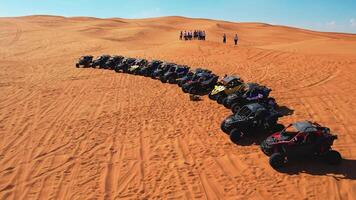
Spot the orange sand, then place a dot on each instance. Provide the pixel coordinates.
(70, 133)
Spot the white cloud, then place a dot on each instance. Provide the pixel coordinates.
(353, 22)
(331, 23)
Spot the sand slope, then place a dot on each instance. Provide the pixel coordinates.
(70, 133)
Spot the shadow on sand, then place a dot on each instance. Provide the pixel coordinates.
(345, 170)
(285, 111)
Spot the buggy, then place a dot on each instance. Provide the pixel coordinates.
(84, 61)
(162, 69)
(201, 84)
(174, 73)
(100, 61)
(250, 93)
(113, 61)
(227, 85)
(125, 65)
(136, 67)
(250, 119)
(190, 75)
(150, 68)
(300, 139)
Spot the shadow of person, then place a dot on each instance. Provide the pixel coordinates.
(345, 170)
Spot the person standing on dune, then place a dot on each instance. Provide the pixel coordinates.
(236, 38)
(224, 38)
(181, 35)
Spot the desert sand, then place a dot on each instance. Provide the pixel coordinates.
(69, 133)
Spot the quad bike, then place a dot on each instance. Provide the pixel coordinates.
(300, 139)
(84, 61)
(250, 119)
(226, 86)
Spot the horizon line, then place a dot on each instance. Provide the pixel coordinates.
(180, 16)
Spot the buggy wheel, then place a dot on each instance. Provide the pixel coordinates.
(277, 160)
(212, 97)
(192, 90)
(235, 107)
(265, 148)
(226, 104)
(224, 128)
(171, 80)
(77, 65)
(163, 80)
(221, 99)
(333, 157)
(185, 90)
(235, 135)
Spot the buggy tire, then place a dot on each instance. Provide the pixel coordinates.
(221, 99)
(212, 97)
(163, 80)
(171, 80)
(226, 104)
(267, 151)
(224, 128)
(185, 90)
(192, 90)
(276, 160)
(235, 107)
(235, 135)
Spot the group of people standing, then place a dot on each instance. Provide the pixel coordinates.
(236, 39)
(192, 35)
(200, 35)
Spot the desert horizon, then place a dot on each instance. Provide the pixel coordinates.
(71, 133)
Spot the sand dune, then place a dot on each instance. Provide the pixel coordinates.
(72, 133)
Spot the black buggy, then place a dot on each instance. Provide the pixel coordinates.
(84, 61)
(100, 61)
(113, 61)
(251, 119)
(125, 65)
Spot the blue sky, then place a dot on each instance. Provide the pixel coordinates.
(324, 15)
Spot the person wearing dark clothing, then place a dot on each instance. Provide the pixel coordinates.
(181, 35)
(236, 38)
(224, 38)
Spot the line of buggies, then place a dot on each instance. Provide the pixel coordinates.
(253, 110)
